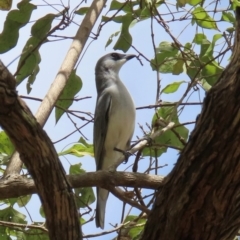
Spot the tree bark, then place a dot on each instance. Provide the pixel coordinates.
(15, 186)
(38, 154)
(200, 197)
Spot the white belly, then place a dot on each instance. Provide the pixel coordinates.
(120, 128)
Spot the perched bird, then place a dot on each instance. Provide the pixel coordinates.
(114, 120)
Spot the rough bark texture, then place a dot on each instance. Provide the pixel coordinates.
(200, 198)
(16, 185)
(38, 154)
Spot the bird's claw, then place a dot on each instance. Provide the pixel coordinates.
(126, 154)
(148, 139)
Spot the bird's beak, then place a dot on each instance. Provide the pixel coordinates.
(130, 56)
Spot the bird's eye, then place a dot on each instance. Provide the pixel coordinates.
(115, 56)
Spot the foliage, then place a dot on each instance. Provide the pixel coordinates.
(66, 99)
(192, 63)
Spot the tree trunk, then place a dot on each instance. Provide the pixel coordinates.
(200, 199)
(38, 154)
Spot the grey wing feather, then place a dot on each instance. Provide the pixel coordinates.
(100, 127)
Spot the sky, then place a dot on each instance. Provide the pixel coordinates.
(139, 80)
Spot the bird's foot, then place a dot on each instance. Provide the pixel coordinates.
(148, 139)
(126, 154)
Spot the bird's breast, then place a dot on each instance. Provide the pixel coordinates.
(121, 120)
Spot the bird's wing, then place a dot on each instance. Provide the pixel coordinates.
(100, 126)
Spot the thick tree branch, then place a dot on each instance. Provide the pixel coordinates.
(38, 154)
(120, 194)
(64, 72)
(15, 185)
(200, 197)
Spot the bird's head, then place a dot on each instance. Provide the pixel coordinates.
(112, 62)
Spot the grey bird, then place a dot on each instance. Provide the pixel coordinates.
(114, 121)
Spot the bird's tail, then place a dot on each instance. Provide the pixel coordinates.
(102, 196)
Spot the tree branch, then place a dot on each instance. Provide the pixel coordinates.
(24, 226)
(40, 157)
(120, 195)
(15, 185)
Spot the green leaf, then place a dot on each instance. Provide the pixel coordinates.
(135, 231)
(144, 13)
(28, 64)
(166, 58)
(215, 38)
(206, 86)
(11, 201)
(79, 150)
(193, 69)
(182, 3)
(15, 232)
(125, 39)
(73, 86)
(111, 38)
(170, 137)
(32, 78)
(30, 58)
(124, 6)
(15, 20)
(84, 142)
(6, 145)
(83, 196)
(42, 26)
(210, 49)
(115, 5)
(5, 4)
(22, 15)
(204, 48)
(82, 221)
(178, 67)
(199, 37)
(228, 17)
(235, 4)
(188, 47)
(133, 23)
(41, 211)
(23, 201)
(230, 29)
(154, 151)
(173, 87)
(3, 234)
(117, 19)
(211, 72)
(167, 47)
(203, 19)
(76, 169)
(82, 11)
(194, 2)
(34, 234)
(11, 215)
(167, 65)
(4, 159)
(193, 63)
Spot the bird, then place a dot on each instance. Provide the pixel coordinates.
(114, 121)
